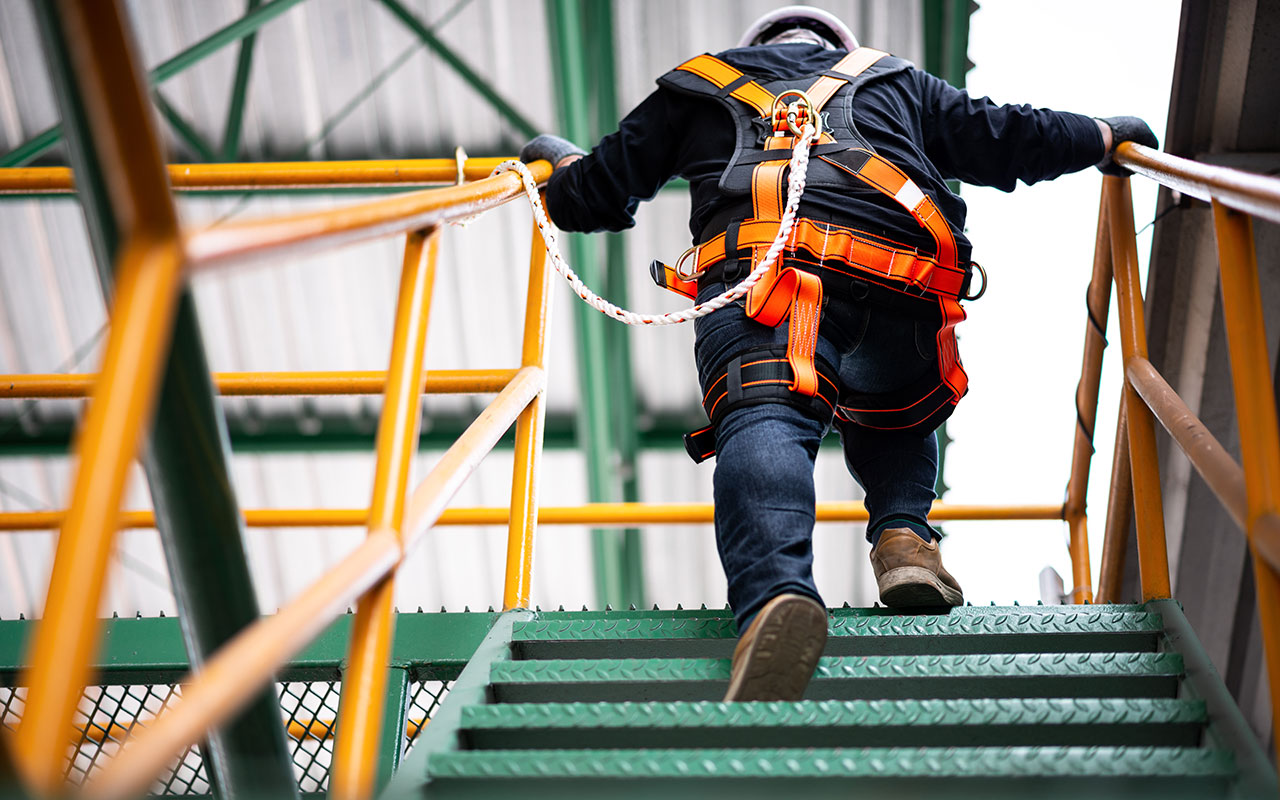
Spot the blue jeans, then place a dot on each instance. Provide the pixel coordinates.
(764, 495)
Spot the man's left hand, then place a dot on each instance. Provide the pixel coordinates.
(555, 149)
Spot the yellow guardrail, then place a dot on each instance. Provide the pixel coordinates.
(158, 255)
(1249, 492)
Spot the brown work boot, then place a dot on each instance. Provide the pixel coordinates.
(910, 574)
(775, 658)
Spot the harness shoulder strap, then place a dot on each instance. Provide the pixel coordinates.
(845, 70)
(726, 80)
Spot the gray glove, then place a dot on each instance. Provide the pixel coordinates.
(551, 148)
(1125, 129)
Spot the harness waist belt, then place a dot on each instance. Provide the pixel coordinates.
(824, 240)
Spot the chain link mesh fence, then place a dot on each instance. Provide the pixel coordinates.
(109, 714)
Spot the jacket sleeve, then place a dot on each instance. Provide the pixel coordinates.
(980, 142)
(600, 192)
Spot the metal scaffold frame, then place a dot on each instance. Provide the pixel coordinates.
(151, 257)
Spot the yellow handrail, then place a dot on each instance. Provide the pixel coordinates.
(599, 515)
(1234, 196)
(268, 175)
(264, 384)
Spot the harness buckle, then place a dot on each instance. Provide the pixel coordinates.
(981, 291)
(791, 118)
(695, 273)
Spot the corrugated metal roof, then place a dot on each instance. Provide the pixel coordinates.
(343, 79)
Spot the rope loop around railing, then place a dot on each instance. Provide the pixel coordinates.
(795, 189)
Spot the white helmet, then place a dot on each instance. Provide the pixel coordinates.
(824, 23)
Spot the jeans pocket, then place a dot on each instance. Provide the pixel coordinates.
(926, 341)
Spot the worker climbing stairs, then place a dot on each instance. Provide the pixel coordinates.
(1022, 701)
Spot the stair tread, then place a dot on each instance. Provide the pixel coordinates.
(1016, 620)
(967, 665)
(938, 762)
(838, 713)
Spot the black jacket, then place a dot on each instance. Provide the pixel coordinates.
(928, 128)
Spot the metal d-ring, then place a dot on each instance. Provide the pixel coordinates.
(696, 273)
(981, 291)
(814, 117)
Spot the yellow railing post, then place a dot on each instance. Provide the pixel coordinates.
(148, 277)
(523, 520)
(1098, 303)
(355, 757)
(1256, 417)
(1153, 558)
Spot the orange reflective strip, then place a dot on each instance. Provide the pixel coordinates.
(949, 366)
(853, 65)
(721, 74)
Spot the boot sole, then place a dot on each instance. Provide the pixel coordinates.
(789, 639)
(916, 587)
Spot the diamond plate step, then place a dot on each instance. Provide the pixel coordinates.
(849, 678)
(1165, 772)
(857, 723)
(970, 631)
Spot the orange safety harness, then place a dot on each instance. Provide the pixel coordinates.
(787, 292)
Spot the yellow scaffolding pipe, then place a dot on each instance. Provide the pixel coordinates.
(596, 515)
(523, 513)
(1153, 558)
(364, 681)
(272, 175)
(265, 384)
(1256, 418)
(244, 665)
(148, 278)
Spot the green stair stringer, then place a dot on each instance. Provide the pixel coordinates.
(994, 702)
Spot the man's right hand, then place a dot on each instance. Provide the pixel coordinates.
(551, 148)
(1124, 129)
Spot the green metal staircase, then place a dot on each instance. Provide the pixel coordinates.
(1023, 701)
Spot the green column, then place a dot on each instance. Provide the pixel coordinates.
(595, 429)
(393, 726)
(199, 522)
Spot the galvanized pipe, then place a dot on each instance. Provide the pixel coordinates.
(364, 682)
(1153, 558)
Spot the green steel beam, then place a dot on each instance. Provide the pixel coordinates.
(52, 436)
(472, 687)
(25, 153)
(946, 55)
(598, 18)
(432, 646)
(396, 711)
(185, 130)
(239, 92)
(569, 64)
(186, 466)
(473, 79)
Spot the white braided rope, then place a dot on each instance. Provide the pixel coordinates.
(795, 188)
